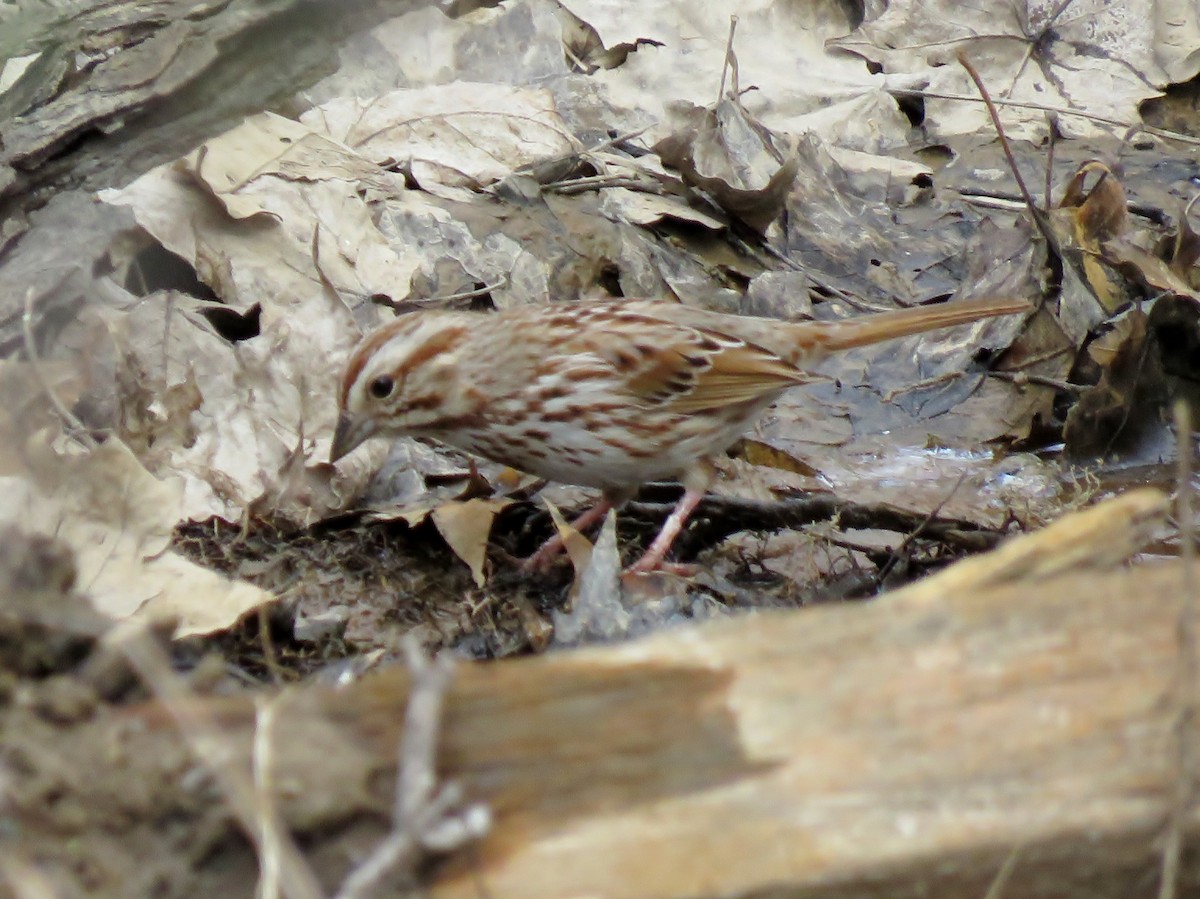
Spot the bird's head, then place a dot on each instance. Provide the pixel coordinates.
(404, 378)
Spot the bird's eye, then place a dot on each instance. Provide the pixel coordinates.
(381, 388)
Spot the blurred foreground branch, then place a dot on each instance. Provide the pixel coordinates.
(1011, 718)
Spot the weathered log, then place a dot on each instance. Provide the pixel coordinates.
(159, 77)
(906, 747)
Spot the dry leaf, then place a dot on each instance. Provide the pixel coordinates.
(1096, 214)
(1115, 414)
(1105, 56)
(576, 545)
(271, 146)
(597, 611)
(118, 520)
(454, 139)
(465, 526)
(734, 159)
(801, 84)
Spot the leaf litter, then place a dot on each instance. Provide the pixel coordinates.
(191, 325)
(637, 153)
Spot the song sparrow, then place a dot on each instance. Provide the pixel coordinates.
(601, 394)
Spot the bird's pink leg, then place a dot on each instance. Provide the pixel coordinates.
(552, 547)
(653, 558)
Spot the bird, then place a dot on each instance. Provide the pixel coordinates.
(608, 394)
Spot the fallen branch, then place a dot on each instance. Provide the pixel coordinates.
(1010, 726)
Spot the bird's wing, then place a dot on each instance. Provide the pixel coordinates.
(738, 373)
(658, 361)
(693, 369)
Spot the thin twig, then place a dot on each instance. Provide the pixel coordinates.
(908, 538)
(998, 199)
(730, 60)
(417, 777)
(424, 818)
(1048, 187)
(1043, 107)
(583, 67)
(1000, 881)
(992, 201)
(269, 853)
(619, 139)
(588, 151)
(1039, 220)
(270, 657)
(718, 517)
(597, 182)
(441, 299)
(1021, 379)
(1188, 665)
(208, 742)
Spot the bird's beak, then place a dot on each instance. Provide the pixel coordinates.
(348, 434)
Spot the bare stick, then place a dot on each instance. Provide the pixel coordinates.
(894, 557)
(424, 818)
(1048, 195)
(1021, 379)
(168, 314)
(207, 741)
(1045, 107)
(1030, 204)
(996, 889)
(441, 299)
(417, 777)
(269, 852)
(730, 60)
(1185, 743)
(597, 182)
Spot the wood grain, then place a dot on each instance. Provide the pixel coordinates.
(900, 748)
(906, 747)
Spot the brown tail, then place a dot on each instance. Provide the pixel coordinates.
(869, 329)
